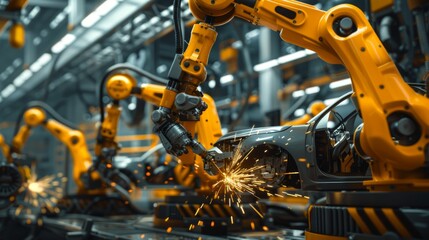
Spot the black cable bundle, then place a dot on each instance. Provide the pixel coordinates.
(177, 19)
(48, 110)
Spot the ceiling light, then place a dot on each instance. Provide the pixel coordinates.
(127, 27)
(266, 65)
(154, 20)
(252, 34)
(90, 20)
(298, 93)
(33, 13)
(142, 28)
(25, 20)
(9, 70)
(292, 57)
(125, 38)
(331, 101)
(63, 43)
(226, 79)
(161, 68)
(8, 91)
(340, 83)
(295, 56)
(312, 90)
(237, 44)
(167, 23)
(35, 67)
(57, 20)
(37, 41)
(187, 12)
(299, 112)
(58, 47)
(165, 13)
(45, 58)
(283, 59)
(106, 7)
(17, 62)
(68, 39)
(132, 106)
(41, 62)
(212, 83)
(139, 18)
(24, 76)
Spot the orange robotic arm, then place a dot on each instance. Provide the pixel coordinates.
(181, 106)
(17, 32)
(73, 139)
(396, 120)
(120, 86)
(3, 146)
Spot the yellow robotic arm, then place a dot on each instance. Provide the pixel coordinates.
(17, 31)
(121, 86)
(72, 138)
(396, 120)
(4, 146)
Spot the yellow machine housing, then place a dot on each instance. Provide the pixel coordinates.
(73, 139)
(343, 35)
(121, 86)
(17, 31)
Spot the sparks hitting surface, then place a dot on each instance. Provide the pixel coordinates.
(42, 193)
(243, 173)
(236, 179)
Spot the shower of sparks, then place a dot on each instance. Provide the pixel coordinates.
(236, 179)
(42, 194)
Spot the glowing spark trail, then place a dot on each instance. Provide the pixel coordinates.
(239, 175)
(236, 180)
(41, 194)
(44, 192)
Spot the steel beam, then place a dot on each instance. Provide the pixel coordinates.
(270, 79)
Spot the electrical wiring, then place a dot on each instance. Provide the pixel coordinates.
(50, 76)
(48, 109)
(80, 94)
(178, 33)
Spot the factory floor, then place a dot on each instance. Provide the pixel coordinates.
(76, 226)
